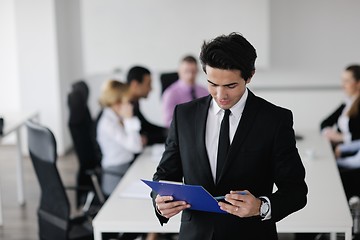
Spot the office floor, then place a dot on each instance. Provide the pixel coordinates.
(20, 223)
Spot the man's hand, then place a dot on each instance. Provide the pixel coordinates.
(167, 208)
(242, 204)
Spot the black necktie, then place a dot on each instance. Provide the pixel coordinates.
(193, 94)
(224, 143)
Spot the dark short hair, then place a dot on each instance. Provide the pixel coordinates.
(355, 69)
(189, 59)
(229, 52)
(137, 74)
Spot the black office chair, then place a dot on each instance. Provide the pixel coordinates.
(167, 79)
(54, 210)
(83, 133)
(350, 179)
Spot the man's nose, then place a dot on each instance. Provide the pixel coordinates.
(221, 93)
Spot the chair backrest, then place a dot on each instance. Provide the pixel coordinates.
(82, 127)
(77, 101)
(54, 209)
(167, 79)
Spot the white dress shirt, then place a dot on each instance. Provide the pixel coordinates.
(213, 122)
(215, 116)
(118, 142)
(343, 121)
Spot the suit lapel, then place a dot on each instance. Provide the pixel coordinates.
(200, 126)
(246, 122)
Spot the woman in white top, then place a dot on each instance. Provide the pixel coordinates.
(346, 118)
(118, 133)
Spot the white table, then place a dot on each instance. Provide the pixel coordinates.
(12, 124)
(327, 209)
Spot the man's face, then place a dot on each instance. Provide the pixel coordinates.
(225, 86)
(187, 72)
(144, 88)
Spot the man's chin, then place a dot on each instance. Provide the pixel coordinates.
(224, 105)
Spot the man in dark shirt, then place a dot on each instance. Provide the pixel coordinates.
(139, 81)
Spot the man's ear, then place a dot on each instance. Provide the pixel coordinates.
(249, 79)
(133, 84)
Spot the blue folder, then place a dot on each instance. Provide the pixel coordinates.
(195, 195)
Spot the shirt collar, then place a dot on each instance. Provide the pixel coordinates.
(236, 110)
(184, 85)
(109, 113)
(350, 100)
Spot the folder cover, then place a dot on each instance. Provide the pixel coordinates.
(195, 195)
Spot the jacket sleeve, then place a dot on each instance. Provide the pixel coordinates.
(170, 167)
(333, 118)
(288, 172)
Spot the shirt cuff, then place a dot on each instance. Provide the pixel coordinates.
(347, 137)
(132, 124)
(268, 215)
(324, 130)
(343, 147)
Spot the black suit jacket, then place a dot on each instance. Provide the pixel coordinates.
(263, 152)
(354, 122)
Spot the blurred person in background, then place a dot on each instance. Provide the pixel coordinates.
(343, 125)
(342, 128)
(139, 81)
(118, 133)
(183, 90)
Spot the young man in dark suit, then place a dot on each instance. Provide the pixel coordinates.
(236, 144)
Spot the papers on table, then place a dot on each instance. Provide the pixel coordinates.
(136, 189)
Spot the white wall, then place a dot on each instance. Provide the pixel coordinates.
(158, 33)
(41, 48)
(319, 37)
(38, 62)
(9, 82)
(70, 57)
(311, 43)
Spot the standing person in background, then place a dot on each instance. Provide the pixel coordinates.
(118, 134)
(345, 118)
(183, 90)
(139, 81)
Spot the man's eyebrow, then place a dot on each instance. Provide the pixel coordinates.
(226, 85)
(212, 83)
